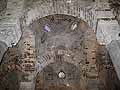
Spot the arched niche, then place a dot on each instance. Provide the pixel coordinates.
(74, 39)
(63, 31)
(59, 75)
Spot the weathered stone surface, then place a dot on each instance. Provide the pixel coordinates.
(3, 6)
(114, 51)
(3, 48)
(115, 5)
(107, 30)
(107, 73)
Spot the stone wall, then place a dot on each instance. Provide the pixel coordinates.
(3, 48)
(3, 5)
(115, 5)
(10, 23)
(41, 9)
(107, 30)
(114, 50)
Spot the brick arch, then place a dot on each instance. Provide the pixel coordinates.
(38, 16)
(51, 70)
(33, 21)
(40, 11)
(58, 16)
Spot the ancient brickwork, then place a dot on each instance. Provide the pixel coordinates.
(43, 8)
(55, 48)
(107, 73)
(28, 60)
(3, 6)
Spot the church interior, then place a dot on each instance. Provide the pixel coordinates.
(59, 44)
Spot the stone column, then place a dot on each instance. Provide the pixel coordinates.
(3, 48)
